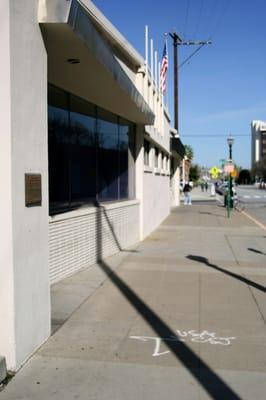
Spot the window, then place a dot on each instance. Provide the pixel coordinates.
(82, 167)
(156, 157)
(91, 153)
(167, 164)
(125, 146)
(108, 151)
(146, 152)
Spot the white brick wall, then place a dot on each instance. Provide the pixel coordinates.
(77, 239)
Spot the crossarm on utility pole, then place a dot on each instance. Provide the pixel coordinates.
(177, 41)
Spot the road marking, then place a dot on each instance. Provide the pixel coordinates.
(246, 196)
(192, 335)
(254, 220)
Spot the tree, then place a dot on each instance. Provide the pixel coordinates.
(194, 172)
(244, 176)
(189, 153)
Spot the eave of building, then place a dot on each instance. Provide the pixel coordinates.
(77, 30)
(177, 148)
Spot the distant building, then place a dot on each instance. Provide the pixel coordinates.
(258, 141)
(88, 165)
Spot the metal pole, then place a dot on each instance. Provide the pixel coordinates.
(176, 42)
(230, 152)
(176, 84)
(229, 198)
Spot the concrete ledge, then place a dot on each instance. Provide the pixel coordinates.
(3, 371)
(91, 209)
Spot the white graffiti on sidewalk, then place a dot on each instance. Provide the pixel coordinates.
(205, 337)
(182, 336)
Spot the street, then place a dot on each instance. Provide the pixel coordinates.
(254, 201)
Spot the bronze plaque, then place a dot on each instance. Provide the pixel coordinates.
(33, 190)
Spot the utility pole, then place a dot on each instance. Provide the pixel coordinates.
(177, 41)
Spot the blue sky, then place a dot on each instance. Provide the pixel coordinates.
(223, 87)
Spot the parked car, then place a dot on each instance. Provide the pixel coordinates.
(222, 188)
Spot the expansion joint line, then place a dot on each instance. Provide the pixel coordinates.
(257, 304)
(244, 276)
(231, 248)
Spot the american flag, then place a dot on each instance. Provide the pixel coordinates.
(164, 68)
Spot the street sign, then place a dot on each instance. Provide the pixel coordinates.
(214, 171)
(229, 168)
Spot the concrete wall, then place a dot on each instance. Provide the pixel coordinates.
(156, 200)
(79, 238)
(25, 301)
(7, 332)
(175, 184)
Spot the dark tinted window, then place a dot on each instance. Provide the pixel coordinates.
(59, 156)
(83, 150)
(108, 144)
(124, 133)
(146, 151)
(156, 157)
(91, 153)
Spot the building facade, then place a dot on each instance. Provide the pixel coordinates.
(258, 141)
(87, 164)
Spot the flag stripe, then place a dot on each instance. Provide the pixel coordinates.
(164, 68)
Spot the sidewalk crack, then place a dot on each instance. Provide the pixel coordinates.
(232, 250)
(251, 292)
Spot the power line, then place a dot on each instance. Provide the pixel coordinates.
(214, 135)
(197, 25)
(219, 19)
(177, 41)
(191, 55)
(186, 18)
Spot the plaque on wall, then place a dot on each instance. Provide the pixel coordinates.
(33, 190)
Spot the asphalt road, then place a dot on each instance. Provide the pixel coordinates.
(254, 201)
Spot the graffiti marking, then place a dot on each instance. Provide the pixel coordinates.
(182, 336)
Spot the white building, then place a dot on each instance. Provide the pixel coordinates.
(258, 141)
(85, 155)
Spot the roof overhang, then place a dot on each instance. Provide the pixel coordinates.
(177, 147)
(70, 32)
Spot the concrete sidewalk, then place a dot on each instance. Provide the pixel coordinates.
(180, 316)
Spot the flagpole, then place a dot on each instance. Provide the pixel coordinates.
(167, 92)
(146, 62)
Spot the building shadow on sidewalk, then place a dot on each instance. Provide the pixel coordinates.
(216, 387)
(256, 251)
(205, 261)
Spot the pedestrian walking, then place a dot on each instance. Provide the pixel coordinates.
(187, 195)
(206, 186)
